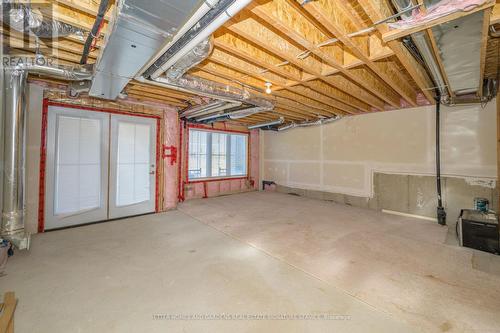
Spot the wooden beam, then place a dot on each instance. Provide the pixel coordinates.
(244, 67)
(310, 103)
(238, 64)
(329, 14)
(495, 14)
(399, 33)
(90, 7)
(251, 29)
(7, 315)
(67, 15)
(412, 66)
(484, 49)
(231, 75)
(310, 93)
(292, 24)
(436, 53)
(162, 90)
(248, 28)
(232, 43)
(328, 90)
(341, 82)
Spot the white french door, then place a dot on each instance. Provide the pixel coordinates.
(133, 166)
(99, 166)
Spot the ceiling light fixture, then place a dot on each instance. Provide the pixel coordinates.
(268, 87)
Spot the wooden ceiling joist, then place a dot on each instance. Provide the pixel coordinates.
(278, 41)
(399, 33)
(297, 28)
(495, 14)
(339, 24)
(380, 10)
(484, 48)
(239, 47)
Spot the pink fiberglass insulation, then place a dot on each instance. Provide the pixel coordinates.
(443, 8)
(171, 138)
(254, 157)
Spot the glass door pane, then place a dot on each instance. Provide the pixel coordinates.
(132, 166)
(77, 163)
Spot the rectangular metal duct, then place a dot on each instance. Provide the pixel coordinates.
(137, 31)
(459, 43)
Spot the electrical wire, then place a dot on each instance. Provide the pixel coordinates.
(94, 33)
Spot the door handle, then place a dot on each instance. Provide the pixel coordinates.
(151, 172)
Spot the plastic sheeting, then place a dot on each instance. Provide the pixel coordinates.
(22, 18)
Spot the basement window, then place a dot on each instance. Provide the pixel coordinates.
(214, 154)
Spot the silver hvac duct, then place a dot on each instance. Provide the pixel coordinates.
(233, 114)
(215, 111)
(223, 105)
(186, 39)
(195, 110)
(137, 30)
(12, 226)
(211, 21)
(279, 121)
(22, 18)
(422, 44)
(206, 88)
(14, 150)
(309, 123)
(199, 53)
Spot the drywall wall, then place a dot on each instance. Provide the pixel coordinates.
(342, 157)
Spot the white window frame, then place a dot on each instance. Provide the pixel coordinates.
(209, 154)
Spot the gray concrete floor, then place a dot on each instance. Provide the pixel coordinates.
(115, 276)
(398, 265)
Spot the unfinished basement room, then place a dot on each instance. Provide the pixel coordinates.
(250, 166)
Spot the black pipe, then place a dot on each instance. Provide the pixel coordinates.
(103, 7)
(441, 213)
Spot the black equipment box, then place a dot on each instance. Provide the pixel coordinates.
(479, 230)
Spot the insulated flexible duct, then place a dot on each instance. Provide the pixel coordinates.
(14, 110)
(22, 18)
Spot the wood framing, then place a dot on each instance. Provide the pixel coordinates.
(484, 48)
(305, 51)
(399, 33)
